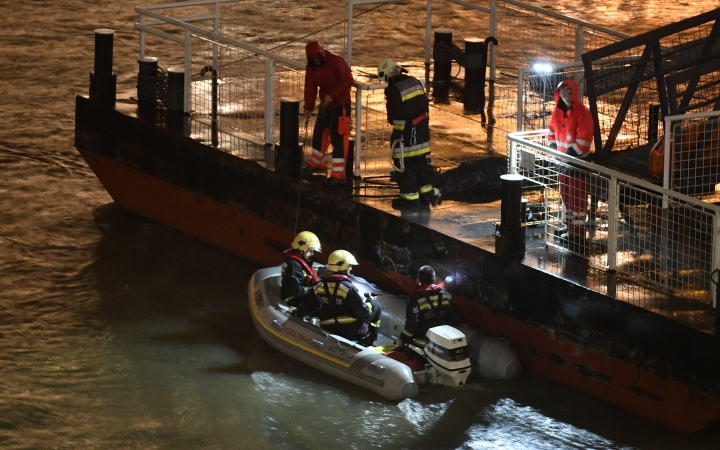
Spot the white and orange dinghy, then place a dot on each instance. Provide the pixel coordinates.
(451, 354)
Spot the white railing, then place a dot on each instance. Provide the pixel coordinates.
(634, 227)
(496, 9)
(193, 95)
(249, 75)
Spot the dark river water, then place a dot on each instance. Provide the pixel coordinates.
(116, 333)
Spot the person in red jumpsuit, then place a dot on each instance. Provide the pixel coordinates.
(331, 75)
(571, 132)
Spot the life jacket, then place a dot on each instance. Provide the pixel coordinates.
(432, 304)
(433, 310)
(332, 295)
(311, 276)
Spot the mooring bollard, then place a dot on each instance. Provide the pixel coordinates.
(177, 119)
(510, 231)
(148, 81)
(103, 79)
(175, 94)
(442, 58)
(474, 89)
(288, 153)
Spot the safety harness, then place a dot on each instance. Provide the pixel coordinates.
(337, 278)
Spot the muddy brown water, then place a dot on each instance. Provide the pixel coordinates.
(117, 333)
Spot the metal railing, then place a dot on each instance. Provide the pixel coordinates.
(247, 82)
(547, 37)
(237, 71)
(631, 226)
(693, 164)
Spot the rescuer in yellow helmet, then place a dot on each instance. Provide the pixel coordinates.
(338, 304)
(298, 274)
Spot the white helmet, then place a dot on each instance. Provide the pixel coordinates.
(306, 240)
(386, 69)
(340, 261)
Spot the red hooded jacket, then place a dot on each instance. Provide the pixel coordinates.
(332, 77)
(571, 130)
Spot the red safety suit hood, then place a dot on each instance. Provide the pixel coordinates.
(314, 49)
(573, 88)
(432, 287)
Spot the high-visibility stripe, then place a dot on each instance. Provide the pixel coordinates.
(341, 292)
(425, 189)
(317, 160)
(411, 196)
(340, 319)
(413, 93)
(413, 150)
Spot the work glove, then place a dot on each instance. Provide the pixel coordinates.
(364, 328)
(553, 146)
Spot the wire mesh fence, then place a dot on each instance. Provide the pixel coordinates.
(228, 85)
(642, 231)
(623, 80)
(545, 36)
(283, 27)
(537, 92)
(695, 154)
(374, 133)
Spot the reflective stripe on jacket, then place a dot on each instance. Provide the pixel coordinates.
(571, 130)
(408, 111)
(429, 306)
(340, 302)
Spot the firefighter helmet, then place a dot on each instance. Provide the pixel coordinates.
(386, 69)
(306, 240)
(340, 261)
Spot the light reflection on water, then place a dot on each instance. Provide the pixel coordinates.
(116, 333)
(515, 426)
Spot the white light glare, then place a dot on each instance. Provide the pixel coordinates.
(542, 67)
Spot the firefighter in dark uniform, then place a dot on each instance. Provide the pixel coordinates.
(429, 306)
(298, 274)
(408, 113)
(338, 304)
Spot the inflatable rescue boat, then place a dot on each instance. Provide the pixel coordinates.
(451, 354)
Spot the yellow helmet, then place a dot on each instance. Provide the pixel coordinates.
(340, 260)
(306, 240)
(385, 69)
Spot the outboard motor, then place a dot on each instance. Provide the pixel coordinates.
(448, 357)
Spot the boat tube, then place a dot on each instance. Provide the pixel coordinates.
(452, 353)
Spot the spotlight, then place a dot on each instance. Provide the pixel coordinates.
(542, 67)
